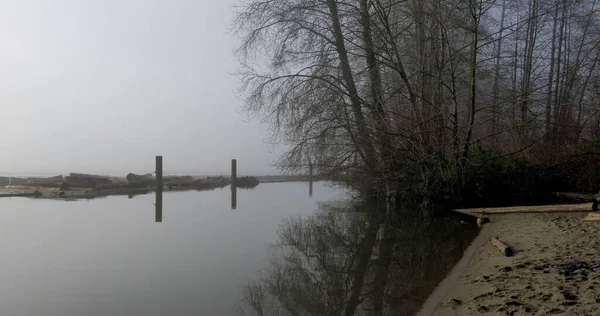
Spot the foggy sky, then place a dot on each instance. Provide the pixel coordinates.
(105, 85)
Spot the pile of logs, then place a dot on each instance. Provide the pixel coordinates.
(12, 181)
(141, 180)
(79, 180)
(55, 181)
(177, 179)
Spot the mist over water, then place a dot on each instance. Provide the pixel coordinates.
(109, 257)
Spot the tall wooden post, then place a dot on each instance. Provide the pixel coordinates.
(159, 189)
(234, 172)
(233, 184)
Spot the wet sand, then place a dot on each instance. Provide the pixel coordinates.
(555, 270)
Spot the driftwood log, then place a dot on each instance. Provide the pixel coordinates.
(504, 248)
(592, 217)
(177, 179)
(141, 180)
(45, 182)
(12, 181)
(25, 194)
(585, 207)
(79, 180)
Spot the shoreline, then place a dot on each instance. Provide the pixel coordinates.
(441, 291)
(85, 186)
(555, 270)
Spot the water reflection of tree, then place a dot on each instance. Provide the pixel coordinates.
(355, 263)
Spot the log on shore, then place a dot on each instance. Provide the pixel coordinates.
(592, 217)
(90, 194)
(585, 207)
(199, 184)
(26, 194)
(12, 181)
(79, 180)
(28, 191)
(85, 175)
(504, 248)
(55, 181)
(177, 179)
(141, 180)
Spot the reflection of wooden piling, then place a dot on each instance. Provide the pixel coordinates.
(233, 184)
(158, 212)
(310, 179)
(159, 189)
(233, 197)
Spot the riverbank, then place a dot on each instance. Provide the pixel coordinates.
(555, 270)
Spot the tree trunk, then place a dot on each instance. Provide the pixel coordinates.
(364, 140)
(551, 76)
(557, 87)
(528, 67)
(496, 106)
(376, 86)
(472, 78)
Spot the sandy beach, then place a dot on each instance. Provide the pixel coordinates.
(555, 270)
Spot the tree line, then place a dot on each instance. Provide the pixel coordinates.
(404, 95)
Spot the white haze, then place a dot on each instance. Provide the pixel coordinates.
(103, 86)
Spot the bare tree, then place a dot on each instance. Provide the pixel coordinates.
(399, 96)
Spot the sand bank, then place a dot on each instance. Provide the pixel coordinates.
(555, 270)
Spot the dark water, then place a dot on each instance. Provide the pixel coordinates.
(317, 256)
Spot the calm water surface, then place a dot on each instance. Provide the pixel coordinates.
(316, 256)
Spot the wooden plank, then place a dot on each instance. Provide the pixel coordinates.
(585, 207)
(504, 248)
(592, 217)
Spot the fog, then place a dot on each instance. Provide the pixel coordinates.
(104, 86)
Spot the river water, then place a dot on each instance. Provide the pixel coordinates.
(279, 252)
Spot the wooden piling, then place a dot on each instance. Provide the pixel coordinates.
(233, 184)
(234, 172)
(159, 174)
(159, 190)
